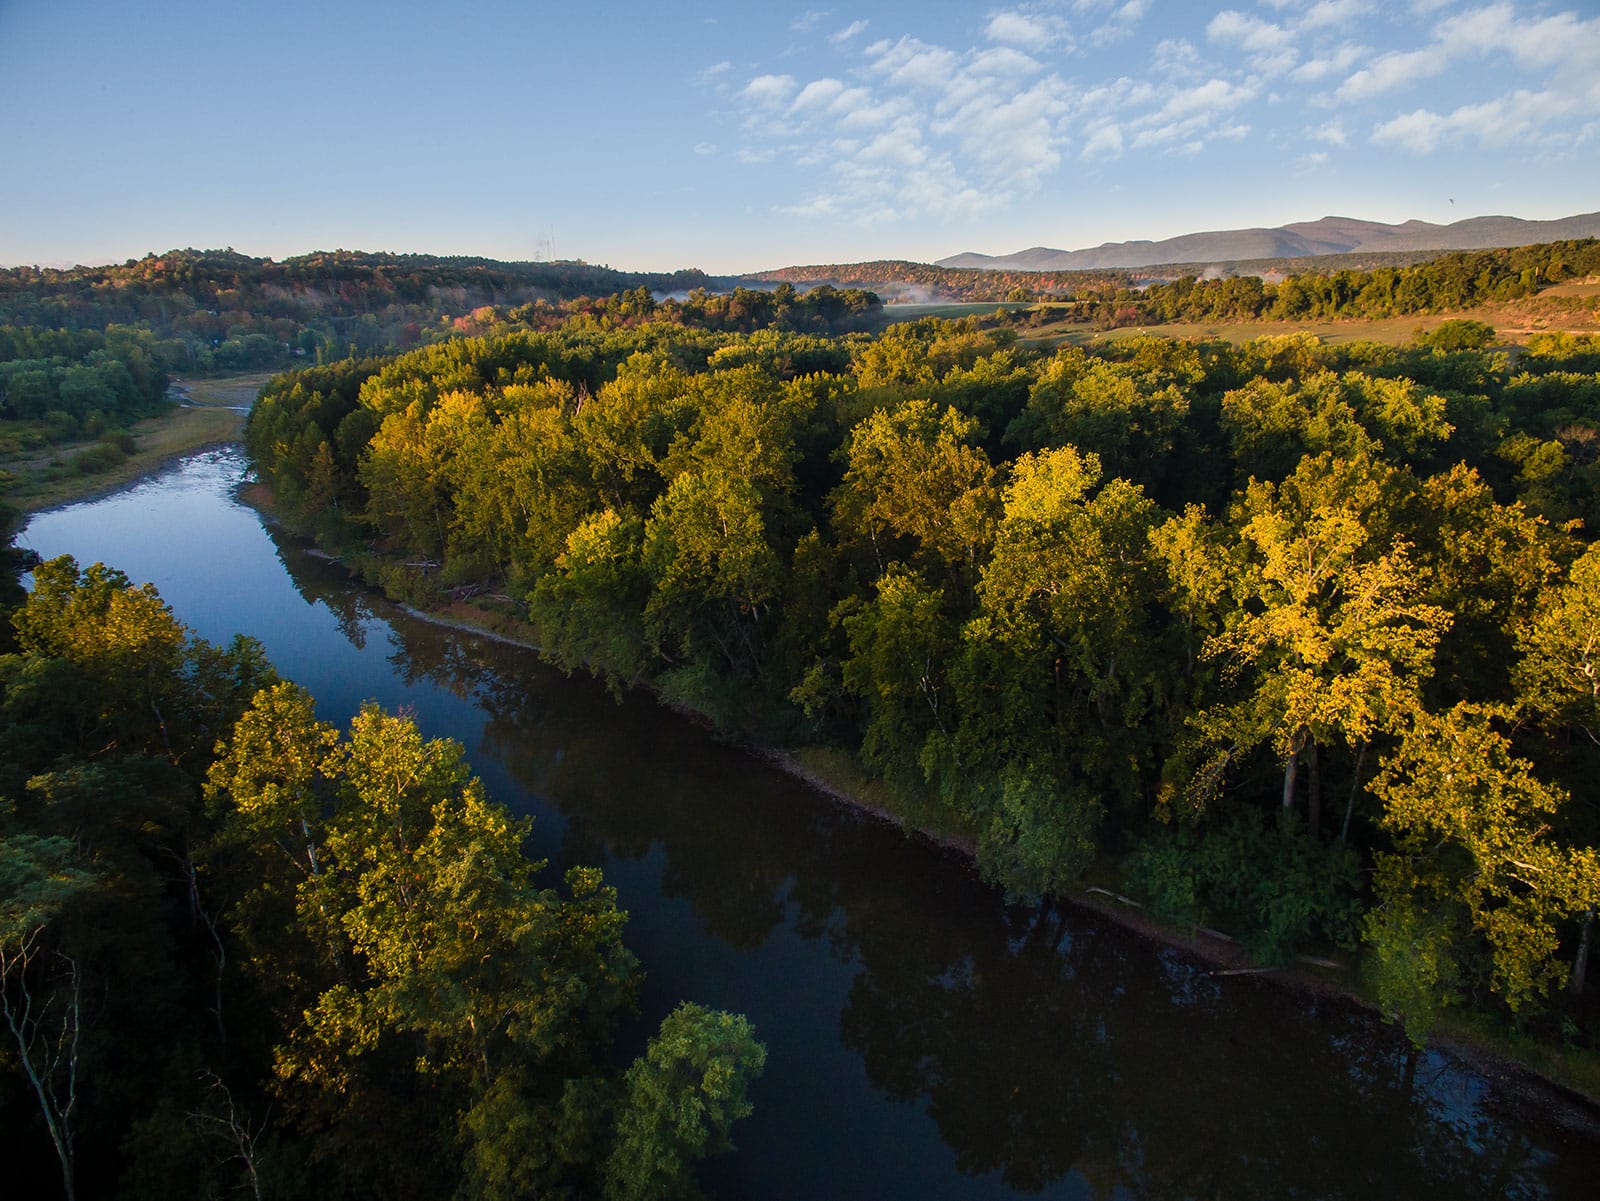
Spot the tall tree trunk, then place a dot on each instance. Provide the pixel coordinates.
(1314, 789)
(1355, 787)
(49, 1059)
(1289, 769)
(1580, 965)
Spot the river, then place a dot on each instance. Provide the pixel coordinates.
(925, 1039)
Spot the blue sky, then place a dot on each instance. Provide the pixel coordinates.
(736, 136)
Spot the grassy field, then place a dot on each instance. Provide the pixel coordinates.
(207, 412)
(893, 314)
(1571, 308)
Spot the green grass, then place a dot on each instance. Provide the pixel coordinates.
(893, 314)
(1566, 307)
(211, 412)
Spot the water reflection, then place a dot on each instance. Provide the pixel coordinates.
(1048, 1048)
(926, 1040)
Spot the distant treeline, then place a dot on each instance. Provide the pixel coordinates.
(220, 310)
(925, 281)
(1444, 283)
(79, 381)
(91, 349)
(1297, 636)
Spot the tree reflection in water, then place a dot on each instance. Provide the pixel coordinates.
(1053, 1052)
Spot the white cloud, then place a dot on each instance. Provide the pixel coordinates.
(1215, 96)
(1105, 142)
(1392, 70)
(1031, 32)
(819, 93)
(1015, 138)
(1417, 131)
(1332, 132)
(1563, 41)
(1121, 22)
(1333, 13)
(1271, 47)
(713, 73)
(1564, 44)
(906, 126)
(870, 115)
(1518, 117)
(1252, 33)
(705, 148)
(1176, 58)
(769, 90)
(911, 62)
(807, 21)
(1336, 62)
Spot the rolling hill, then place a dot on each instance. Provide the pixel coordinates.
(1302, 239)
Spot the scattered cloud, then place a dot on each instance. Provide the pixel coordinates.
(1332, 132)
(713, 74)
(1028, 30)
(769, 90)
(1554, 54)
(907, 125)
(705, 148)
(1120, 23)
(1105, 142)
(809, 20)
(1396, 69)
(1334, 62)
(1334, 14)
(1518, 117)
(1271, 46)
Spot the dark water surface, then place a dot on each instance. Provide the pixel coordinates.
(925, 1040)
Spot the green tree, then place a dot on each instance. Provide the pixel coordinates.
(679, 1102)
(451, 970)
(1331, 636)
(1474, 863)
(1559, 672)
(916, 487)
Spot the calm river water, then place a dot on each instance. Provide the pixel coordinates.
(925, 1040)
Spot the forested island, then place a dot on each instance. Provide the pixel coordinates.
(1291, 639)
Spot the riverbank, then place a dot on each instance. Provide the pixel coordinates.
(1562, 1083)
(203, 413)
(1556, 1080)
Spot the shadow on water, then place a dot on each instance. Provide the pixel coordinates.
(926, 1040)
(1049, 1048)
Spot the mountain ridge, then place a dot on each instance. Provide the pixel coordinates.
(1299, 239)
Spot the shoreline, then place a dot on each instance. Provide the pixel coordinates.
(191, 424)
(1219, 951)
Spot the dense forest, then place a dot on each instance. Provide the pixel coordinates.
(85, 352)
(1292, 639)
(1295, 639)
(244, 951)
